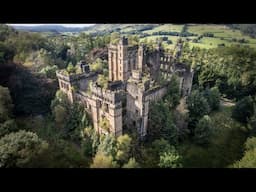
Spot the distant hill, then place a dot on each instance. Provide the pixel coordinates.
(50, 28)
(123, 28)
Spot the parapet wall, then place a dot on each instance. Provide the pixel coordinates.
(112, 97)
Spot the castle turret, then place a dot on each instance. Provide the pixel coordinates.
(141, 57)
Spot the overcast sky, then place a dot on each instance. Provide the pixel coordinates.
(66, 25)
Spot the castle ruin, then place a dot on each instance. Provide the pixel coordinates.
(138, 75)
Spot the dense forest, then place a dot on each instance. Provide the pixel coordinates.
(40, 128)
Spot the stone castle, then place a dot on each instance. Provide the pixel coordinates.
(138, 75)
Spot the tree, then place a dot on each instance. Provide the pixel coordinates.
(252, 124)
(103, 161)
(8, 127)
(243, 110)
(114, 37)
(60, 113)
(6, 53)
(150, 154)
(97, 66)
(18, 148)
(198, 107)
(7, 124)
(160, 145)
(172, 97)
(213, 98)
(107, 145)
(161, 123)
(247, 161)
(203, 130)
(6, 105)
(131, 164)
(77, 120)
(249, 158)
(105, 124)
(50, 71)
(170, 159)
(123, 148)
(60, 99)
(71, 69)
(102, 81)
(250, 143)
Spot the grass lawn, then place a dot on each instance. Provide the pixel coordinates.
(225, 147)
(222, 34)
(165, 45)
(165, 28)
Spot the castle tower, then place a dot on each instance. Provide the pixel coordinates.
(65, 85)
(122, 59)
(112, 62)
(116, 60)
(123, 63)
(140, 57)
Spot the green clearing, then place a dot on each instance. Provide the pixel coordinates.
(165, 45)
(165, 28)
(222, 34)
(225, 147)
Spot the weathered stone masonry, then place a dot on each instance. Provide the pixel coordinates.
(126, 100)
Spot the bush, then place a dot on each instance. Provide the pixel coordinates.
(19, 148)
(243, 110)
(170, 159)
(213, 98)
(50, 71)
(203, 130)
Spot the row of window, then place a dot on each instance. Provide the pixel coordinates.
(105, 106)
(165, 59)
(64, 86)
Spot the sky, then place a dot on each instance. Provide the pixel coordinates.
(65, 25)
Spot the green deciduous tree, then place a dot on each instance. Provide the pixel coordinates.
(8, 127)
(170, 159)
(103, 161)
(131, 164)
(98, 65)
(102, 81)
(243, 110)
(249, 158)
(173, 94)
(71, 69)
(60, 114)
(6, 105)
(203, 130)
(250, 143)
(107, 145)
(213, 97)
(16, 149)
(198, 107)
(161, 123)
(49, 71)
(123, 148)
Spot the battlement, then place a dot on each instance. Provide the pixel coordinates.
(111, 96)
(138, 75)
(64, 75)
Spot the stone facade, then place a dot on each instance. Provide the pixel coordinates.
(133, 75)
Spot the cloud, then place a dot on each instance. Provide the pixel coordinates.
(66, 25)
